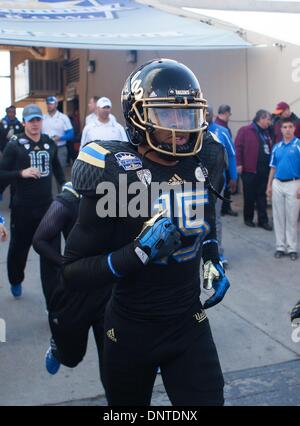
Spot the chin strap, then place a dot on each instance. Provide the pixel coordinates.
(210, 185)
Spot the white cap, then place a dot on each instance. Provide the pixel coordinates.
(104, 102)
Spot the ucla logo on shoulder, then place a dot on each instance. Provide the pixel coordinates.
(59, 10)
(145, 176)
(23, 141)
(128, 161)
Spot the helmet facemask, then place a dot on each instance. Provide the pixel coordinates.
(172, 126)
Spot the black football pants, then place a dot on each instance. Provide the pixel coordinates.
(183, 349)
(71, 316)
(23, 224)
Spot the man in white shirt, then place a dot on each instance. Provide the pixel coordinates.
(105, 127)
(59, 128)
(92, 108)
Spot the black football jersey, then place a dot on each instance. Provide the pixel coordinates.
(109, 171)
(19, 154)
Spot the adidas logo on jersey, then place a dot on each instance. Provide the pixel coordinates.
(111, 335)
(176, 180)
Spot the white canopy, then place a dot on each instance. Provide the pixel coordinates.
(107, 24)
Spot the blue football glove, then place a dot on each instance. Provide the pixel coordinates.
(295, 314)
(159, 238)
(214, 278)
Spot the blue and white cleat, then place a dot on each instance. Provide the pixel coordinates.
(16, 290)
(51, 362)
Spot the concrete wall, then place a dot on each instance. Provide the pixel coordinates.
(247, 79)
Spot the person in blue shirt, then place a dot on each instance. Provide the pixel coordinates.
(224, 137)
(284, 189)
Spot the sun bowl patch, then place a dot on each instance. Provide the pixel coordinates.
(128, 161)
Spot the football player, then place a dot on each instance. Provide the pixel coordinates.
(151, 259)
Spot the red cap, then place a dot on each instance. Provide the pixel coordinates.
(280, 107)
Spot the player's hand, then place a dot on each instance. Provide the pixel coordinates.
(3, 233)
(55, 138)
(159, 238)
(31, 172)
(295, 314)
(214, 278)
(298, 193)
(239, 169)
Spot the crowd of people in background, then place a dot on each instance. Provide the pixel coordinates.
(265, 157)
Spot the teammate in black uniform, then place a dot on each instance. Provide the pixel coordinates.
(154, 317)
(59, 219)
(29, 162)
(9, 126)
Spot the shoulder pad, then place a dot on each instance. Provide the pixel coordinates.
(22, 141)
(88, 169)
(93, 154)
(68, 187)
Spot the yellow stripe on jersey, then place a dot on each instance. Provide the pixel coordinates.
(93, 154)
(90, 159)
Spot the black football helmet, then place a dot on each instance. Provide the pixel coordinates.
(164, 95)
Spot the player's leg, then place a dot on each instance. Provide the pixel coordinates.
(194, 377)
(69, 324)
(127, 372)
(98, 330)
(20, 242)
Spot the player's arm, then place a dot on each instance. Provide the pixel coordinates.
(8, 167)
(212, 156)
(57, 169)
(213, 271)
(92, 234)
(46, 240)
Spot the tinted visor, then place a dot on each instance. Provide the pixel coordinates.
(176, 118)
